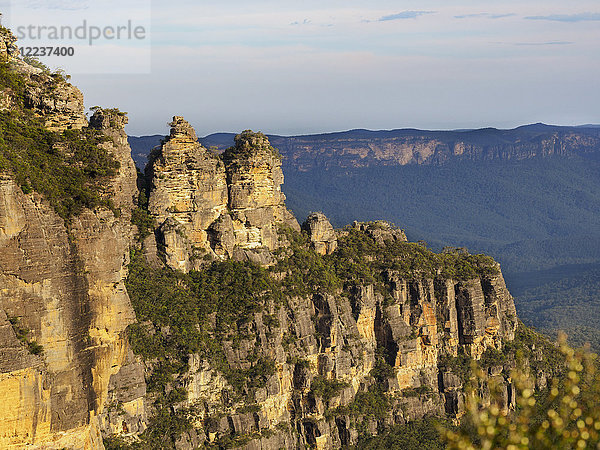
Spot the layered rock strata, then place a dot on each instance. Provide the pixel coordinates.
(212, 207)
(66, 288)
(338, 339)
(355, 149)
(63, 303)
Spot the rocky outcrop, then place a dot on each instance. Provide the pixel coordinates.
(381, 231)
(123, 380)
(254, 178)
(59, 102)
(208, 207)
(123, 187)
(321, 233)
(49, 95)
(8, 47)
(188, 195)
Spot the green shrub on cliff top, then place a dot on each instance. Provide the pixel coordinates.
(249, 144)
(69, 169)
(360, 259)
(306, 271)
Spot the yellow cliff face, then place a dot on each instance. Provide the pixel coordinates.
(26, 412)
(25, 408)
(65, 287)
(40, 288)
(341, 340)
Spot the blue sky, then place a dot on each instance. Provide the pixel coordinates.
(313, 66)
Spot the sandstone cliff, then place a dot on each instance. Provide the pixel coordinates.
(63, 303)
(369, 336)
(59, 103)
(66, 287)
(361, 148)
(212, 207)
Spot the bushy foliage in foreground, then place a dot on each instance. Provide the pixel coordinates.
(566, 415)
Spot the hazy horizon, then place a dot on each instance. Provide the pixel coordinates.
(316, 67)
(166, 128)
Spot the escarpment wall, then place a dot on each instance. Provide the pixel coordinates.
(340, 341)
(66, 289)
(63, 303)
(355, 149)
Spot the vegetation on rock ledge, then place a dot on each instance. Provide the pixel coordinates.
(69, 169)
(203, 312)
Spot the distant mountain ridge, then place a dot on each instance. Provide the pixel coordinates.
(366, 148)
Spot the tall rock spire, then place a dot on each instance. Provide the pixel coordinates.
(210, 207)
(188, 194)
(254, 178)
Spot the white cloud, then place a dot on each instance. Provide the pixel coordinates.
(485, 15)
(404, 15)
(534, 44)
(580, 17)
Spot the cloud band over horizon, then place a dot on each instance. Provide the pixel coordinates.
(404, 15)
